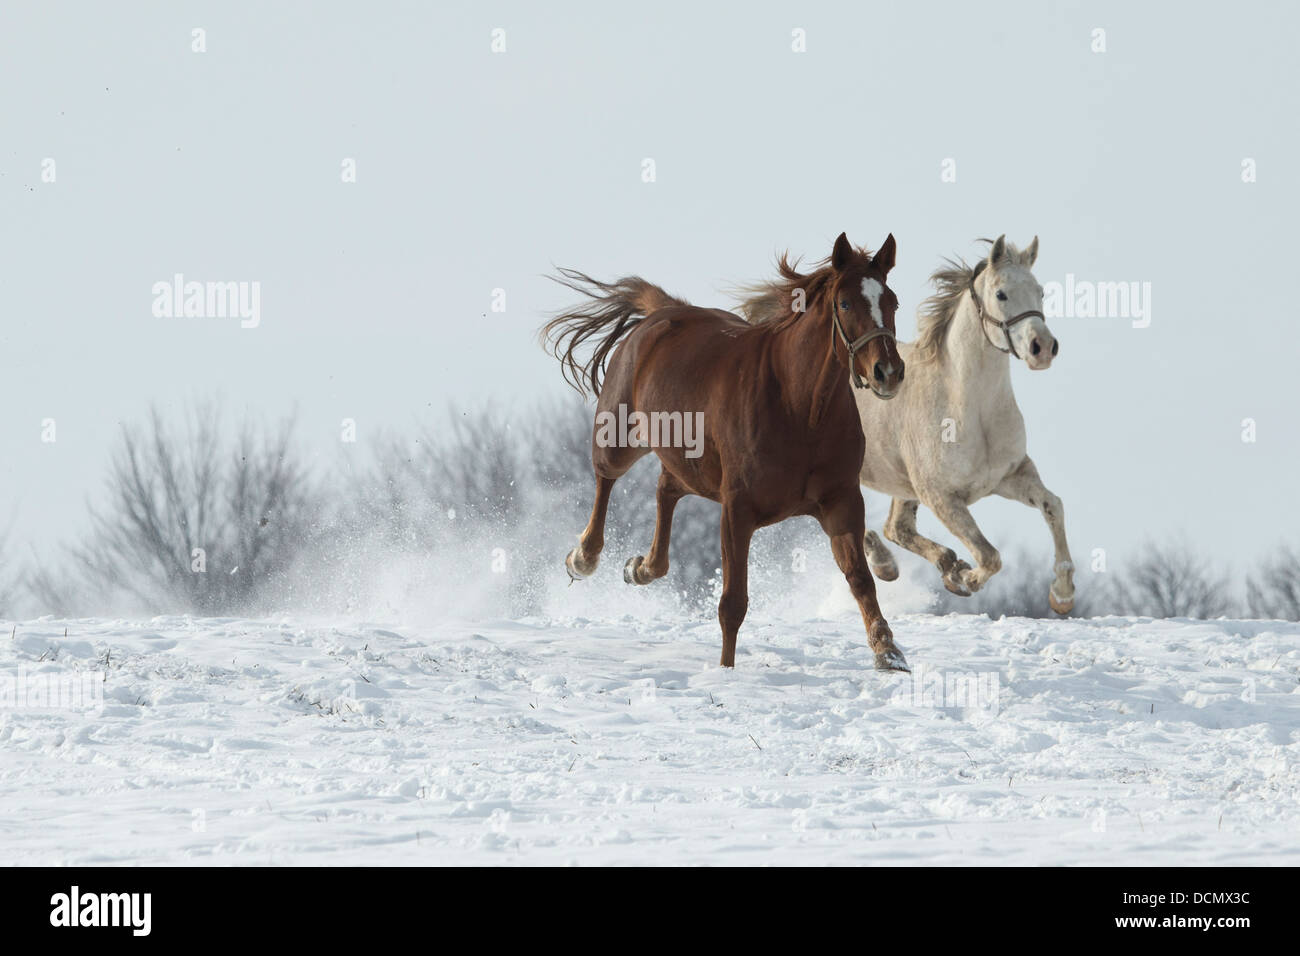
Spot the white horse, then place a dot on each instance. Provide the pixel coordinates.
(954, 433)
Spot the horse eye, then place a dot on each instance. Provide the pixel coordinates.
(844, 304)
(1002, 295)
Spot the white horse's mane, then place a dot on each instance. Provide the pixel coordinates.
(936, 313)
(951, 282)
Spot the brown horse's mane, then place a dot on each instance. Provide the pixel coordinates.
(772, 303)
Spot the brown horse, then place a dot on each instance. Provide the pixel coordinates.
(780, 431)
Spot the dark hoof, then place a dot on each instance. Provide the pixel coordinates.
(892, 660)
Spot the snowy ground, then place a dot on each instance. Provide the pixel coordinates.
(621, 741)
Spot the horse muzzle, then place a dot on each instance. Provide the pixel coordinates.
(887, 378)
(1041, 350)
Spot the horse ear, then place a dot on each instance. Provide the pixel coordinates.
(999, 250)
(886, 256)
(1030, 255)
(842, 253)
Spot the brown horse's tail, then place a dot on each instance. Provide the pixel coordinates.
(615, 308)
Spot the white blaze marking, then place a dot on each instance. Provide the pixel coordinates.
(871, 290)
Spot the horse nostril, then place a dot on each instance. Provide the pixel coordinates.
(901, 369)
(1056, 346)
(880, 375)
(1036, 348)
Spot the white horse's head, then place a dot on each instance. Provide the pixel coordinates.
(1010, 303)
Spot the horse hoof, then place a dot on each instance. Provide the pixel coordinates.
(888, 657)
(892, 659)
(571, 565)
(953, 583)
(885, 572)
(631, 568)
(1060, 607)
(954, 579)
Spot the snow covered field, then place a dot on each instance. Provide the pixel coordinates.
(619, 741)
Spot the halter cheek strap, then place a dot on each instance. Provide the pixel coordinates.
(857, 344)
(1004, 324)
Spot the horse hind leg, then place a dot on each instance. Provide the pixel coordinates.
(610, 463)
(642, 569)
(581, 561)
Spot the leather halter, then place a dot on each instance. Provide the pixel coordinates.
(1003, 324)
(857, 343)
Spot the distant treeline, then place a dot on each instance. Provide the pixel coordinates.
(206, 519)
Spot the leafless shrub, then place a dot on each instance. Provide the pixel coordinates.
(1173, 581)
(1273, 588)
(192, 523)
(465, 470)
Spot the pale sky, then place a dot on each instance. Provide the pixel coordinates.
(479, 170)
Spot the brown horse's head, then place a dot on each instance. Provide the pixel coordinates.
(864, 307)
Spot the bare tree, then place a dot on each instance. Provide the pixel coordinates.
(1174, 581)
(189, 526)
(465, 472)
(1273, 588)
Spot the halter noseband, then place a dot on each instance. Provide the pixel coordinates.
(1003, 324)
(857, 343)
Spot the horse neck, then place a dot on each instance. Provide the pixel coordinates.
(803, 353)
(975, 367)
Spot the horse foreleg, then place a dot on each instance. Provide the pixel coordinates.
(737, 530)
(900, 528)
(957, 518)
(1025, 486)
(643, 569)
(843, 520)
